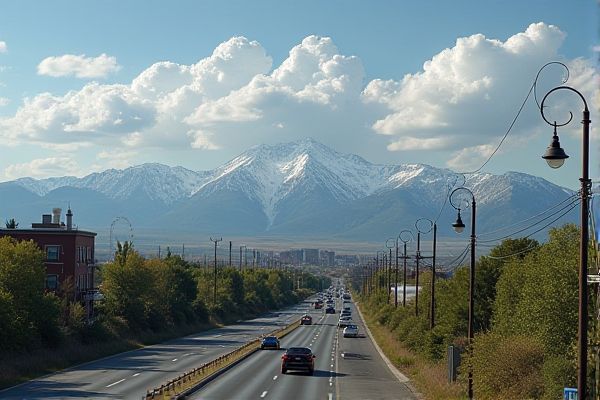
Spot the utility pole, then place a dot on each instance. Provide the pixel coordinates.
(230, 254)
(417, 257)
(183, 251)
(215, 241)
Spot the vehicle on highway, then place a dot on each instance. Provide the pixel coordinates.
(345, 313)
(351, 331)
(346, 296)
(345, 321)
(298, 358)
(330, 310)
(306, 320)
(270, 342)
(318, 305)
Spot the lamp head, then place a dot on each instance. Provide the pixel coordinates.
(555, 156)
(458, 226)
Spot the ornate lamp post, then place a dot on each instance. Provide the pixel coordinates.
(432, 226)
(404, 240)
(390, 244)
(459, 226)
(555, 156)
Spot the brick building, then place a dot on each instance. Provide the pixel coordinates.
(69, 252)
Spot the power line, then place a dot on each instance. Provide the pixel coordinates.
(528, 219)
(573, 203)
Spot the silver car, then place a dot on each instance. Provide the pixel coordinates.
(351, 331)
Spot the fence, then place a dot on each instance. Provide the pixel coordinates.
(191, 380)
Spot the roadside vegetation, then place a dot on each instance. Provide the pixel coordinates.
(525, 323)
(145, 301)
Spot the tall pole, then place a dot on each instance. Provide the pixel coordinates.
(418, 256)
(459, 226)
(555, 157)
(230, 254)
(389, 276)
(396, 278)
(215, 241)
(432, 305)
(404, 279)
(240, 258)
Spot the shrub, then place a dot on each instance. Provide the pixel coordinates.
(506, 367)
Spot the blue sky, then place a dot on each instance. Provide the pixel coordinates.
(395, 82)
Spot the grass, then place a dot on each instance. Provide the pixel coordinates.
(428, 377)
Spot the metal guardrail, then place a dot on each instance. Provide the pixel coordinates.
(185, 384)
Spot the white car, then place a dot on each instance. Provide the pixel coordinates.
(345, 321)
(351, 331)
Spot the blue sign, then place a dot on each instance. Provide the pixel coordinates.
(570, 394)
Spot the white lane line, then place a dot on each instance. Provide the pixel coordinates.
(174, 360)
(115, 383)
(331, 365)
(330, 396)
(275, 377)
(136, 374)
(263, 394)
(188, 354)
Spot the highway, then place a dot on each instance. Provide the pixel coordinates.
(345, 368)
(128, 375)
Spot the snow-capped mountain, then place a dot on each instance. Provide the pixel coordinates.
(298, 188)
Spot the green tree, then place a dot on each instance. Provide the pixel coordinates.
(11, 224)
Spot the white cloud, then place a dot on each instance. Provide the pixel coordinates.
(3, 47)
(4, 101)
(114, 159)
(43, 168)
(235, 98)
(79, 66)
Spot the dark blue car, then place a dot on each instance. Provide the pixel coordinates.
(269, 342)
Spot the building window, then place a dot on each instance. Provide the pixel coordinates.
(52, 282)
(52, 253)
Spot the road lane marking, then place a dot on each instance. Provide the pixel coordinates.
(136, 374)
(115, 383)
(275, 377)
(174, 360)
(263, 394)
(330, 396)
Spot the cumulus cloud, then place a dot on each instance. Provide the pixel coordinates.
(43, 168)
(78, 65)
(236, 97)
(3, 47)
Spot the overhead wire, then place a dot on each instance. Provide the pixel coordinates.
(573, 203)
(570, 198)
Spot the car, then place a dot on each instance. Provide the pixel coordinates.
(351, 331)
(346, 313)
(298, 358)
(345, 321)
(330, 310)
(306, 320)
(270, 342)
(318, 305)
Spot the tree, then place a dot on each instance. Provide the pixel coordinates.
(11, 224)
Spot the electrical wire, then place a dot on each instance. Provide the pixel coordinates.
(573, 204)
(528, 219)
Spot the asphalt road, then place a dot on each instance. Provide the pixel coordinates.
(128, 375)
(345, 368)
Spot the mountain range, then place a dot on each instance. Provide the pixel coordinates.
(297, 189)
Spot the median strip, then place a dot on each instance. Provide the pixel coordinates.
(192, 380)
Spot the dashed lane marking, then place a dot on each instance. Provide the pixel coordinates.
(136, 374)
(275, 377)
(174, 360)
(115, 383)
(263, 394)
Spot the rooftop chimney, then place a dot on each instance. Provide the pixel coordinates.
(56, 215)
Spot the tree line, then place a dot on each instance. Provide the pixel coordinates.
(140, 295)
(525, 318)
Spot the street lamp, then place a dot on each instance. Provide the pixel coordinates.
(555, 156)
(432, 226)
(390, 244)
(422, 230)
(459, 226)
(404, 257)
(215, 241)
